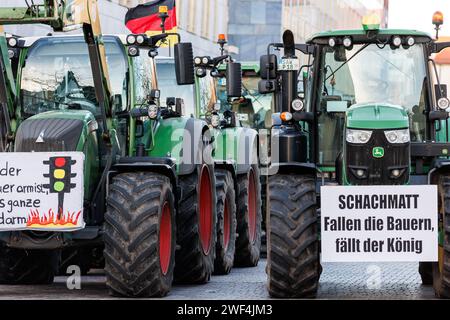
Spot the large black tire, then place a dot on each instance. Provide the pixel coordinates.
(293, 261)
(426, 273)
(18, 266)
(441, 269)
(196, 227)
(226, 222)
(249, 218)
(140, 235)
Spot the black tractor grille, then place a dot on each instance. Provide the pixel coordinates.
(377, 171)
(48, 135)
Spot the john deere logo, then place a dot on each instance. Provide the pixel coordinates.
(378, 152)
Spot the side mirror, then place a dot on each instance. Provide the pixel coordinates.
(184, 63)
(234, 79)
(440, 91)
(268, 67)
(438, 115)
(266, 86)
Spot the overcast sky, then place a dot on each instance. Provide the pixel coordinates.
(417, 14)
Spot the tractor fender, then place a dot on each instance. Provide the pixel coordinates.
(438, 166)
(196, 147)
(292, 167)
(165, 166)
(247, 152)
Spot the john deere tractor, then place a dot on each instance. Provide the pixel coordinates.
(148, 185)
(368, 114)
(235, 156)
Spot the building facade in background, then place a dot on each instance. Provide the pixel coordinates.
(307, 17)
(249, 24)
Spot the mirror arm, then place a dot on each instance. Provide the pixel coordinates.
(437, 47)
(435, 72)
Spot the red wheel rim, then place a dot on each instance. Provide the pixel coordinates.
(252, 205)
(226, 225)
(205, 204)
(165, 238)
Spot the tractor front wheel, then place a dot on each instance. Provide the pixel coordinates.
(196, 227)
(249, 218)
(19, 266)
(293, 261)
(226, 222)
(441, 269)
(140, 235)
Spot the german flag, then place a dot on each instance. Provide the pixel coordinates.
(144, 18)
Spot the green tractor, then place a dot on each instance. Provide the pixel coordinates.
(145, 184)
(238, 187)
(362, 111)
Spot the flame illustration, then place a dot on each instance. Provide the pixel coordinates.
(51, 220)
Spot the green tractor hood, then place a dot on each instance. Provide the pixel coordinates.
(376, 116)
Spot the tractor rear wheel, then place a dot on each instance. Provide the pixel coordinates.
(441, 269)
(140, 235)
(226, 222)
(426, 273)
(19, 266)
(293, 261)
(249, 218)
(196, 222)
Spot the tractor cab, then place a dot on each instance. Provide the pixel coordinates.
(369, 107)
(372, 97)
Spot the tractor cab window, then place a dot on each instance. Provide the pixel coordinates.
(369, 74)
(206, 94)
(57, 76)
(253, 108)
(167, 83)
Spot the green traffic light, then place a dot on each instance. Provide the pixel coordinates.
(58, 186)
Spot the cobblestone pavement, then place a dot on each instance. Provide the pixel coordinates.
(338, 281)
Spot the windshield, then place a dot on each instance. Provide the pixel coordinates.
(167, 83)
(57, 75)
(369, 73)
(376, 75)
(253, 108)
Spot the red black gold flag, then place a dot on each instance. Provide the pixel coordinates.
(144, 18)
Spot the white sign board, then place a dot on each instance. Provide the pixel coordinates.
(41, 191)
(379, 223)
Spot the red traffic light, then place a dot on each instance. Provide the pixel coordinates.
(60, 162)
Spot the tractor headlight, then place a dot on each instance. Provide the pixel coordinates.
(131, 39)
(397, 136)
(297, 104)
(358, 136)
(152, 111)
(12, 42)
(215, 120)
(140, 39)
(443, 103)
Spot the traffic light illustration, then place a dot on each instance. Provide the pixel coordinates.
(60, 174)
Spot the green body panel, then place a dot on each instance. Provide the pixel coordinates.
(340, 33)
(227, 144)
(87, 144)
(376, 116)
(167, 139)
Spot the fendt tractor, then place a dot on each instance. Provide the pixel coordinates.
(369, 114)
(235, 156)
(144, 183)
